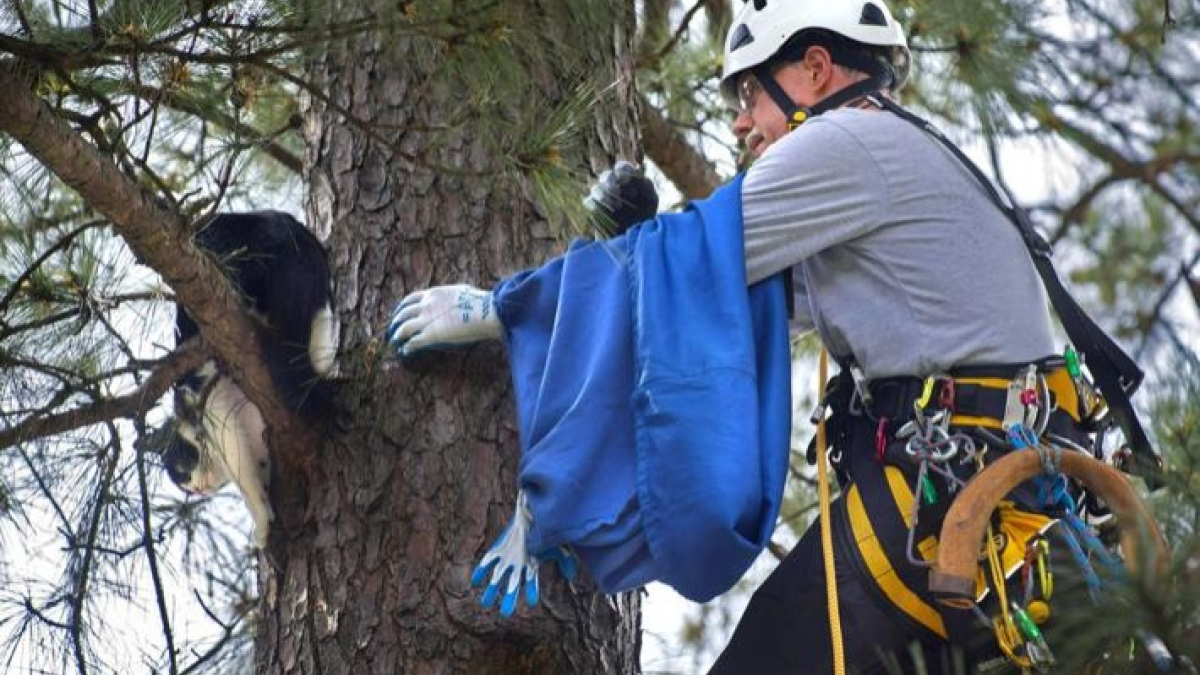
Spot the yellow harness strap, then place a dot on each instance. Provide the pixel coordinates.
(835, 618)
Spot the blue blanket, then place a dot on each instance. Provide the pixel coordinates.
(654, 403)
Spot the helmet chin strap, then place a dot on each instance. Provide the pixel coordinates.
(798, 114)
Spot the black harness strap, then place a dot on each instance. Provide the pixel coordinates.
(798, 114)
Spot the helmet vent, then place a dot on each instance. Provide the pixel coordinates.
(740, 37)
(872, 15)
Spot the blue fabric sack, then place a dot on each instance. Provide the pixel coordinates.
(654, 402)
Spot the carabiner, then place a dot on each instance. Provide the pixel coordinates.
(881, 440)
(946, 395)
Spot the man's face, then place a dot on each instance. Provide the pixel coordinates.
(759, 121)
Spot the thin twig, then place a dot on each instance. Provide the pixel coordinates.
(22, 19)
(67, 527)
(152, 558)
(80, 591)
(1155, 314)
(36, 613)
(227, 628)
(1168, 20)
(93, 19)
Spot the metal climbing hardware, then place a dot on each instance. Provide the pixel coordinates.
(946, 395)
(933, 447)
(929, 438)
(1014, 409)
(1090, 404)
(881, 440)
(1037, 559)
(1017, 634)
(1035, 645)
(1029, 396)
(861, 386)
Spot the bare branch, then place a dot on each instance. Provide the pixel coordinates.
(1075, 213)
(68, 530)
(679, 160)
(215, 649)
(1187, 212)
(662, 52)
(189, 356)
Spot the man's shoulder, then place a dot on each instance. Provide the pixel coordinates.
(838, 139)
(844, 124)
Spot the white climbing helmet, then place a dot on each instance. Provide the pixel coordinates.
(763, 26)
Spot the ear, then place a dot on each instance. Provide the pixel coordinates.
(818, 67)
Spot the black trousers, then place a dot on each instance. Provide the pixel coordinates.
(785, 628)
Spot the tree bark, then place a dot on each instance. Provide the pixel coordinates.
(417, 475)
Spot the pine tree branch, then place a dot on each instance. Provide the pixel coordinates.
(1074, 214)
(85, 569)
(255, 138)
(167, 371)
(36, 264)
(683, 164)
(157, 236)
(1121, 170)
(1155, 315)
(1188, 212)
(67, 527)
(653, 24)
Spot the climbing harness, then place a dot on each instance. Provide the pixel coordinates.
(930, 437)
(831, 591)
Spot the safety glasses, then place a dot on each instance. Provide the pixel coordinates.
(748, 89)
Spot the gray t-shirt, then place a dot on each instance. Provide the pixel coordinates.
(901, 260)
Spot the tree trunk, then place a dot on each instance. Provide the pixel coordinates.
(417, 473)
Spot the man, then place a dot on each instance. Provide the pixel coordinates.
(906, 268)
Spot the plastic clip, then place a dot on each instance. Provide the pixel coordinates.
(926, 393)
(1072, 358)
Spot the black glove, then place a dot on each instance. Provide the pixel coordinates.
(622, 197)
